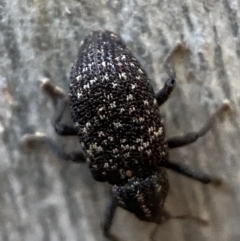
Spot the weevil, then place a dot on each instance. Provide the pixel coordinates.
(115, 114)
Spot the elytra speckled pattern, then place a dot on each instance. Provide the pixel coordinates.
(114, 111)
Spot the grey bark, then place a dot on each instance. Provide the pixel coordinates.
(44, 198)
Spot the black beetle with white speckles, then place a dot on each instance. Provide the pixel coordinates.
(118, 123)
(117, 120)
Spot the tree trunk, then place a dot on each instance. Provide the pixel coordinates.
(44, 198)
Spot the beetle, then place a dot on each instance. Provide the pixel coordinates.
(116, 118)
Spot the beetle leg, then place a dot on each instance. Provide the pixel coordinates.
(191, 173)
(187, 171)
(191, 137)
(109, 215)
(77, 157)
(58, 97)
(60, 128)
(163, 94)
(166, 216)
(33, 140)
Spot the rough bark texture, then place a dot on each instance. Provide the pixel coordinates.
(43, 198)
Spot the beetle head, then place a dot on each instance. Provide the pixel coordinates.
(144, 197)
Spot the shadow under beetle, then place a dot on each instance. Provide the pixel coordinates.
(117, 121)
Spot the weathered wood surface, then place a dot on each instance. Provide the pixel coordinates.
(43, 198)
